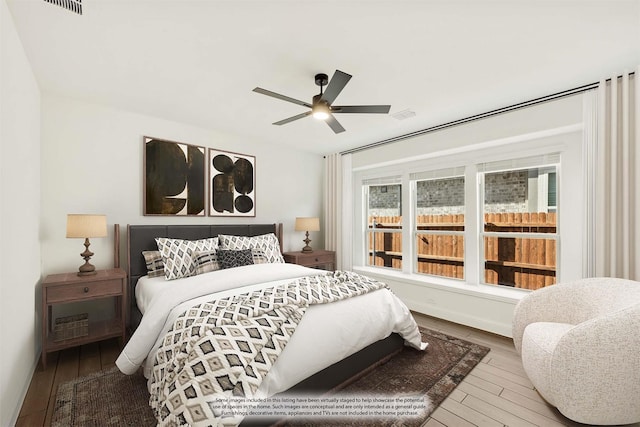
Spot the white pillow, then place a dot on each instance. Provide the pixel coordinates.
(267, 243)
(178, 256)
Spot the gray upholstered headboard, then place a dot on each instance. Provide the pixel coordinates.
(142, 238)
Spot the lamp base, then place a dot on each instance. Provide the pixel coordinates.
(86, 269)
(306, 241)
(87, 273)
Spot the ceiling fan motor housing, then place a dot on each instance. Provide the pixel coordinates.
(318, 101)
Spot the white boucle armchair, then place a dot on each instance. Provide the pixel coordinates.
(580, 346)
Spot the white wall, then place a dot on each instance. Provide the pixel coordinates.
(92, 163)
(19, 220)
(556, 124)
(550, 115)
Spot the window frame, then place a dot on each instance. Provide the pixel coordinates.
(570, 263)
(525, 163)
(437, 175)
(372, 232)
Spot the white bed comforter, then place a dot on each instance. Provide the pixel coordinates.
(326, 334)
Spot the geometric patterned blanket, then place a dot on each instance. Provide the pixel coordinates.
(225, 347)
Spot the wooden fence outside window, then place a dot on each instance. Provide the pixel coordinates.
(527, 262)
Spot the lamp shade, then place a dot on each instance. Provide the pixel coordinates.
(83, 226)
(307, 224)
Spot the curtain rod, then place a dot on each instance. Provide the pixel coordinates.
(540, 100)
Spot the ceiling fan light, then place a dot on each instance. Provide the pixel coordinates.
(320, 111)
(320, 115)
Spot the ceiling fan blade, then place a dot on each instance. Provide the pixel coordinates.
(367, 109)
(290, 119)
(334, 124)
(338, 81)
(282, 97)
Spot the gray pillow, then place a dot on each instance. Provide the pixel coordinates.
(230, 259)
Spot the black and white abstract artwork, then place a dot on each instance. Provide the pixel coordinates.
(232, 183)
(174, 178)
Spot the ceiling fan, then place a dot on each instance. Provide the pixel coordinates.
(321, 106)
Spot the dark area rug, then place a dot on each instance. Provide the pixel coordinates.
(105, 398)
(109, 398)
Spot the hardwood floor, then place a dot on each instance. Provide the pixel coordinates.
(62, 366)
(496, 393)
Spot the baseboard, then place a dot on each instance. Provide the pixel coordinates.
(25, 390)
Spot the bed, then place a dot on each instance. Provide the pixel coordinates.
(336, 337)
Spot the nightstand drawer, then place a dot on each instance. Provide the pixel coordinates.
(316, 259)
(319, 259)
(81, 291)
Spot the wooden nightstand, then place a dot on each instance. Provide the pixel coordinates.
(70, 288)
(317, 259)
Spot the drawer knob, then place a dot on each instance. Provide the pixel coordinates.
(316, 259)
(86, 289)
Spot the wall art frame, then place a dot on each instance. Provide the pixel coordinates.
(173, 178)
(232, 184)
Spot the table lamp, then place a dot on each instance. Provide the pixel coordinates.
(307, 224)
(85, 226)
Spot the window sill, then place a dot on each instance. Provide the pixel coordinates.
(496, 293)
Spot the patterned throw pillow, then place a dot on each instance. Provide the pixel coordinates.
(267, 243)
(259, 257)
(206, 262)
(178, 255)
(153, 260)
(230, 258)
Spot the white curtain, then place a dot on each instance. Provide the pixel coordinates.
(332, 203)
(337, 207)
(617, 232)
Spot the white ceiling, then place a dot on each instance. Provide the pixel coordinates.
(197, 61)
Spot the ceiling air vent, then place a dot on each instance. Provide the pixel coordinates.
(404, 114)
(72, 5)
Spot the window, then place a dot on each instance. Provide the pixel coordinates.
(384, 222)
(439, 224)
(494, 223)
(520, 229)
